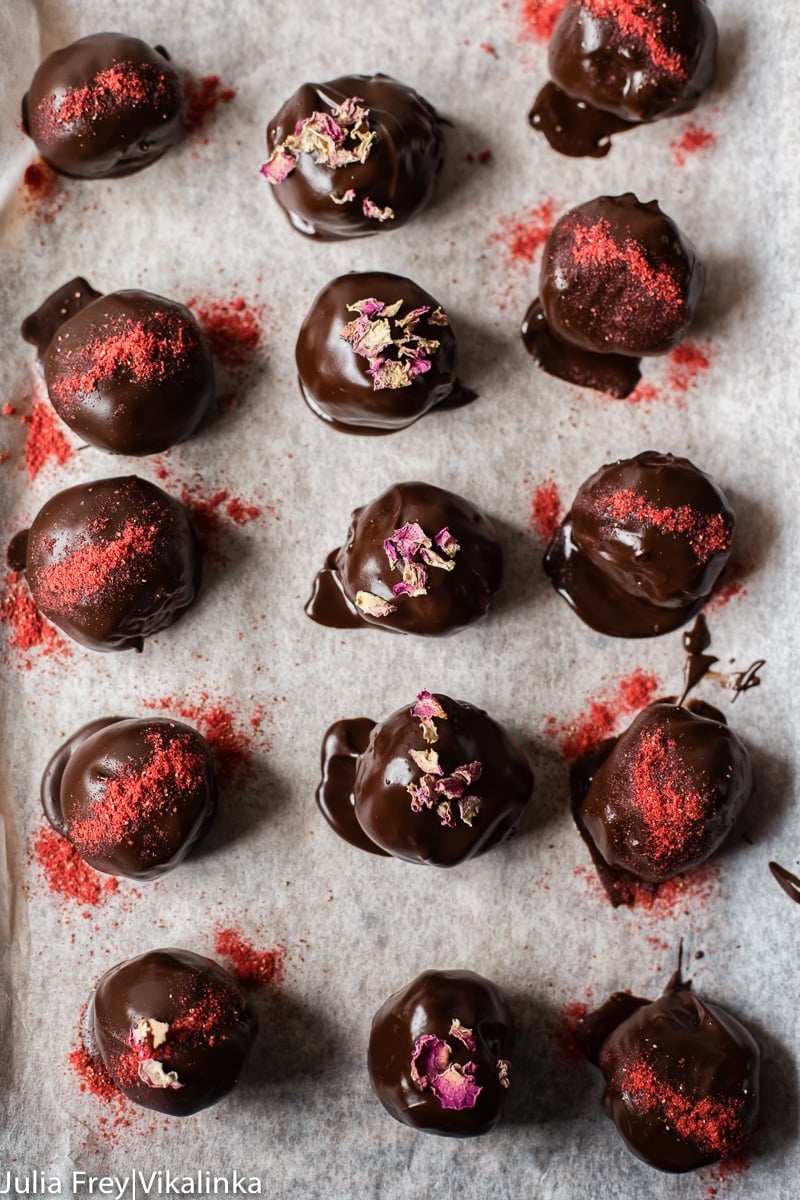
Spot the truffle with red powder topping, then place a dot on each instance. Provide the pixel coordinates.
(440, 1054)
(618, 281)
(104, 106)
(617, 64)
(129, 372)
(132, 796)
(663, 796)
(643, 545)
(681, 1074)
(172, 1029)
(110, 562)
(353, 156)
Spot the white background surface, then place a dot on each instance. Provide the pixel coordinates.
(202, 222)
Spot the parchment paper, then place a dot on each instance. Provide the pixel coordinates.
(201, 222)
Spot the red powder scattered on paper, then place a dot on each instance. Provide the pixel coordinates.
(124, 85)
(221, 727)
(594, 248)
(250, 966)
(642, 21)
(92, 567)
(711, 1123)
(687, 362)
(209, 513)
(65, 872)
(694, 139)
(565, 1033)
(586, 731)
(722, 1173)
(677, 899)
(28, 628)
(234, 328)
(200, 99)
(539, 18)
(728, 586)
(707, 534)
(522, 237)
(546, 510)
(644, 394)
(46, 440)
(487, 49)
(93, 1076)
(43, 191)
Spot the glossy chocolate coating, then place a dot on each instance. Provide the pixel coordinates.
(399, 173)
(333, 377)
(167, 811)
(454, 598)
(104, 106)
(628, 576)
(129, 372)
(210, 1030)
(428, 1006)
(81, 580)
(682, 1078)
(342, 745)
(668, 792)
(618, 65)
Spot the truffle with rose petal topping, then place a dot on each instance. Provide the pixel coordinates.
(132, 796)
(663, 796)
(375, 353)
(417, 559)
(616, 64)
(129, 372)
(437, 782)
(682, 1076)
(440, 1053)
(618, 281)
(640, 550)
(110, 562)
(353, 156)
(104, 106)
(172, 1029)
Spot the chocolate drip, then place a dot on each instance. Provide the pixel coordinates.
(573, 127)
(743, 681)
(343, 743)
(41, 326)
(328, 605)
(615, 374)
(695, 641)
(789, 882)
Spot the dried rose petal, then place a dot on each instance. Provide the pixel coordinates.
(469, 772)
(503, 1068)
(445, 814)
(468, 809)
(457, 1030)
(428, 706)
(152, 1072)
(439, 317)
(446, 542)
(385, 373)
(409, 538)
(456, 1087)
(421, 795)
(435, 560)
(429, 1058)
(414, 579)
(390, 552)
(371, 210)
(148, 1026)
(345, 199)
(368, 602)
(427, 761)
(279, 165)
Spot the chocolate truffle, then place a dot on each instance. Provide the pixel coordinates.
(104, 106)
(640, 550)
(440, 1054)
(129, 372)
(616, 64)
(133, 797)
(618, 281)
(416, 560)
(663, 796)
(353, 156)
(437, 782)
(110, 562)
(681, 1076)
(375, 353)
(172, 1029)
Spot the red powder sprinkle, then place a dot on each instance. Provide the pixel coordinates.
(546, 510)
(642, 21)
(666, 798)
(93, 1076)
(234, 328)
(707, 534)
(217, 721)
(93, 567)
(524, 236)
(139, 351)
(208, 513)
(487, 49)
(694, 139)
(29, 630)
(124, 85)
(540, 17)
(484, 156)
(729, 585)
(200, 100)
(65, 871)
(686, 363)
(43, 190)
(644, 394)
(595, 247)
(9, 410)
(141, 794)
(250, 966)
(565, 1032)
(586, 731)
(714, 1125)
(723, 1172)
(46, 440)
